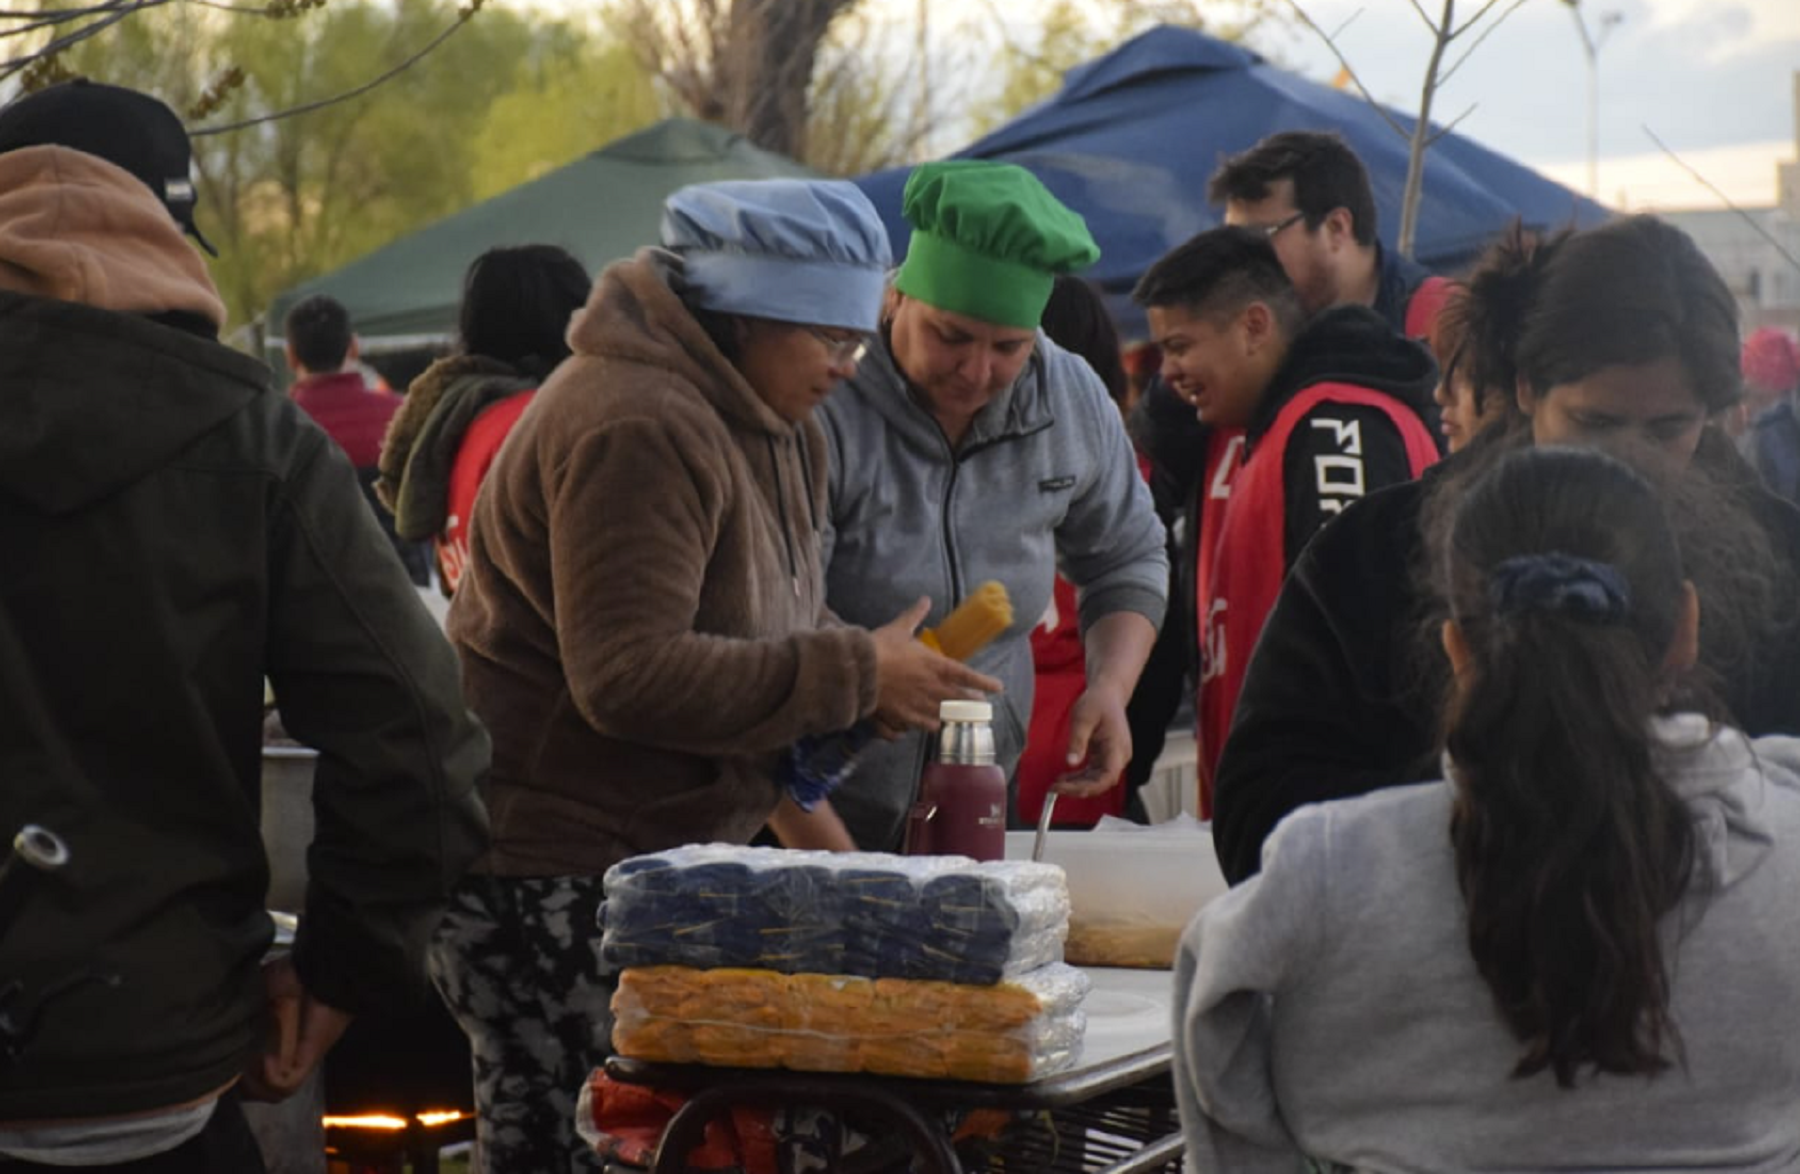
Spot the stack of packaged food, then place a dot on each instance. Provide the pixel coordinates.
(930, 966)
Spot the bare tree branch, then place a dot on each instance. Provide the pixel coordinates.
(240, 9)
(1474, 20)
(54, 20)
(42, 17)
(897, 126)
(1012, 47)
(1485, 33)
(1348, 21)
(1423, 15)
(745, 63)
(462, 18)
(1414, 192)
(94, 28)
(1310, 23)
(1727, 200)
(1421, 136)
(1452, 124)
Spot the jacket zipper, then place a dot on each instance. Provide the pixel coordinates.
(944, 524)
(956, 463)
(787, 538)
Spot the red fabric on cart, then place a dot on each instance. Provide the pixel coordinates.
(631, 1119)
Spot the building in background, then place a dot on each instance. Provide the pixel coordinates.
(1766, 282)
(1787, 175)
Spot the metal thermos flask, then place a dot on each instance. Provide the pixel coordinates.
(961, 809)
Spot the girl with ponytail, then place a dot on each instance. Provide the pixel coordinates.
(1571, 625)
(1577, 952)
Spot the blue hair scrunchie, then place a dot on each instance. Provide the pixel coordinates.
(1579, 588)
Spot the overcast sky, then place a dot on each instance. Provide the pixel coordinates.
(1713, 79)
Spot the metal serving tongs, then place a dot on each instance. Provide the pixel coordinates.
(1043, 828)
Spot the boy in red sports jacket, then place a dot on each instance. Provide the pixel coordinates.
(1305, 415)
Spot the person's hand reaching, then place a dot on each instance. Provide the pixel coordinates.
(911, 679)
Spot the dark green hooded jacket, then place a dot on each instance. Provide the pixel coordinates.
(171, 532)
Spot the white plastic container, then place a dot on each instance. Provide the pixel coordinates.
(287, 822)
(1131, 892)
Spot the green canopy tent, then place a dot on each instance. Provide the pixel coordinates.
(602, 207)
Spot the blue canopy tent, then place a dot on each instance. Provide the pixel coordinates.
(1132, 137)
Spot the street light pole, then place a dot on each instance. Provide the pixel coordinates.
(922, 112)
(1590, 46)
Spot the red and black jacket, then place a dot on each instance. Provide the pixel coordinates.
(1342, 418)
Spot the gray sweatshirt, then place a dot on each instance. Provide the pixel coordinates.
(1044, 481)
(1330, 1006)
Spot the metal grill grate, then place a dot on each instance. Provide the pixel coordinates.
(1115, 1128)
(1131, 1131)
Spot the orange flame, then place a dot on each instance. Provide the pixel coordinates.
(430, 1119)
(367, 1121)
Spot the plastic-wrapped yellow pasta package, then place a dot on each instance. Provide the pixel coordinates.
(1015, 1031)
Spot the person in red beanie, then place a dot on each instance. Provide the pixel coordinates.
(1771, 366)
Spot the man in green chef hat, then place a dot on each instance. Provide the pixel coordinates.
(970, 447)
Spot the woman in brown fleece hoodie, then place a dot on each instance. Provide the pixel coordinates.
(642, 622)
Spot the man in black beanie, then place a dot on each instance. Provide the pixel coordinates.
(175, 533)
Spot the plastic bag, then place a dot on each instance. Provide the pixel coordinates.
(1012, 1032)
(859, 913)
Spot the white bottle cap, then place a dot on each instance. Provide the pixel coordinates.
(965, 711)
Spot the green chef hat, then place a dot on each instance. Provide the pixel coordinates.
(988, 240)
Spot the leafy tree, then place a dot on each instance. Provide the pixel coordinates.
(1064, 40)
(746, 64)
(503, 99)
(574, 94)
(880, 91)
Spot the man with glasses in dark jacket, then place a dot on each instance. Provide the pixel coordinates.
(1310, 195)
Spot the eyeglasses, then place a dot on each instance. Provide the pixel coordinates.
(841, 350)
(1270, 231)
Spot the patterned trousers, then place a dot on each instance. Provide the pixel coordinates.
(517, 960)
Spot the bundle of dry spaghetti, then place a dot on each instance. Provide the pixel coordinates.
(1017, 1030)
(982, 615)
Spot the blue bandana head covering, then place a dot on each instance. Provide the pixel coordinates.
(808, 251)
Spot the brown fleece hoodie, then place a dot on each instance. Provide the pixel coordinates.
(78, 229)
(642, 624)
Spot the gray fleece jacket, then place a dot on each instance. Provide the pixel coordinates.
(1044, 481)
(1330, 1006)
